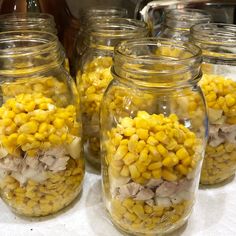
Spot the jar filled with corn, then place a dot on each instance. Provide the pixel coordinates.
(219, 86)
(153, 135)
(94, 74)
(30, 21)
(177, 22)
(41, 162)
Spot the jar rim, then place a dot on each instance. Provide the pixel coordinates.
(185, 18)
(116, 27)
(23, 21)
(44, 39)
(161, 61)
(214, 33)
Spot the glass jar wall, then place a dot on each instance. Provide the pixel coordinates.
(153, 130)
(178, 22)
(41, 162)
(94, 74)
(219, 86)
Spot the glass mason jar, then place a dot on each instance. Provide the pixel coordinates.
(153, 135)
(178, 22)
(94, 74)
(41, 162)
(219, 86)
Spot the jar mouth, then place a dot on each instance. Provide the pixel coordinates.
(18, 42)
(215, 34)
(23, 52)
(28, 21)
(107, 11)
(117, 27)
(157, 60)
(185, 18)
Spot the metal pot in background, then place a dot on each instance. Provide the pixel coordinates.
(152, 12)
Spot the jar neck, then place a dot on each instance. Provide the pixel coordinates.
(217, 42)
(28, 21)
(162, 63)
(184, 19)
(105, 33)
(24, 53)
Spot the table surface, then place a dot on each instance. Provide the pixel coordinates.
(214, 214)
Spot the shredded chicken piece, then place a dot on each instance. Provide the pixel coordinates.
(144, 194)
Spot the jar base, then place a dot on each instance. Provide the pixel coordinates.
(217, 183)
(182, 223)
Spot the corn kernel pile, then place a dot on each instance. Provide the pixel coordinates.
(30, 125)
(151, 146)
(145, 148)
(92, 84)
(139, 216)
(220, 160)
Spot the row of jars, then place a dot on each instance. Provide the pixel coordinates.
(144, 115)
(152, 118)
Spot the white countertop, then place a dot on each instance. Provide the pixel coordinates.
(214, 215)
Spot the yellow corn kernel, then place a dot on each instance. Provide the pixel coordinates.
(125, 171)
(168, 162)
(43, 127)
(45, 145)
(162, 150)
(129, 131)
(141, 166)
(121, 151)
(21, 139)
(134, 171)
(31, 203)
(187, 161)
(140, 146)
(21, 118)
(43, 106)
(182, 153)
(230, 100)
(152, 141)
(182, 169)
(148, 209)
(147, 175)
(8, 114)
(58, 123)
(142, 133)
(32, 152)
(189, 142)
(171, 144)
(30, 106)
(143, 156)
(154, 166)
(12, 138)
(130, 158)
(157, 174)
(162, 137)
(129, 216)
(39, 136)
(127, 122)
(6, 121)
(30, 127)
(54, 139)
(139, 211)
(167, 175)
(128, 203)
(141, 123)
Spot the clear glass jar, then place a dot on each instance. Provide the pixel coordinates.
(178, 22)
(219, 86)
(153, 135)
(41, 162)
(94, 74)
